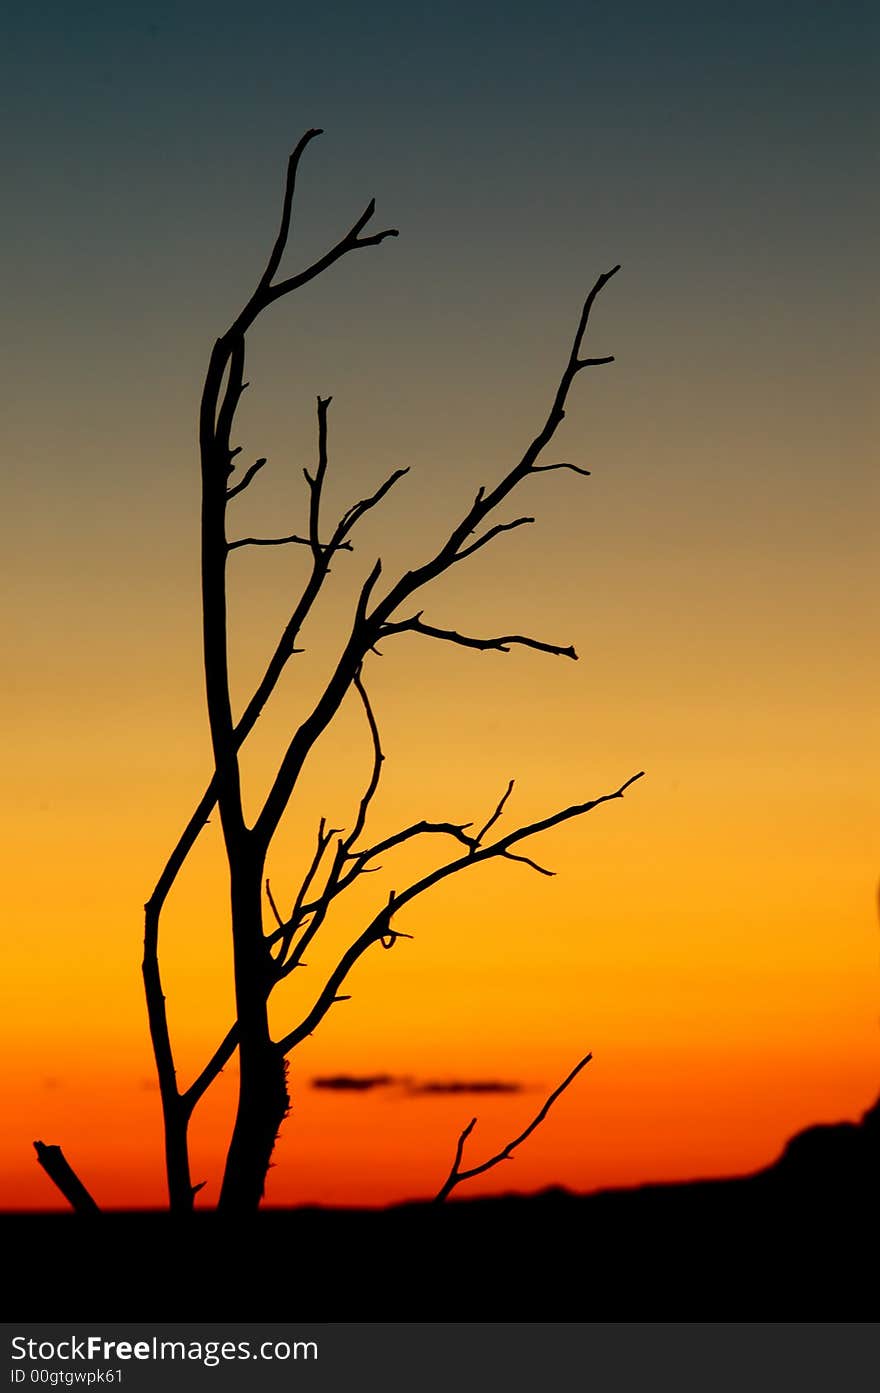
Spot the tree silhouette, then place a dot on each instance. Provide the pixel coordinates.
(263, 957)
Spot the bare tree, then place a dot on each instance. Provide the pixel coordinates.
(265, 956)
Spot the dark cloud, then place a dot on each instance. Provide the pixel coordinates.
(422, 1088)
(436, 1086)
(354, 1083)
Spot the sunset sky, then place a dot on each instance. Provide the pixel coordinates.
(713, 937)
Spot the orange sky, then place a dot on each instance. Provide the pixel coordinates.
(713, 937)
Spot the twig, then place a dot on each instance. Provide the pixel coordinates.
(488, 536)
(376, 770)
(249, 474)
(316, 484)
(457, 1175)
(269, 542)
(215, 1065)
(273, 906)
(499, 809)
(527, 861)
(286, 931)
(354, 514)
(286, 209)
(501, 645)
(548, 469)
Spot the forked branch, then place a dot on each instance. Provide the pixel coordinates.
(266, 291)
(457, 1175)
(492, 533)
(246, 477)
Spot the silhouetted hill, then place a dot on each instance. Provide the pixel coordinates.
(797, 1241)
(841, 1149)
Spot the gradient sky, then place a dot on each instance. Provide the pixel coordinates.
(713, 938)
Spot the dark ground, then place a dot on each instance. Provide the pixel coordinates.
(797, 1241)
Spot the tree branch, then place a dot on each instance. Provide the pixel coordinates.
(499, 809)
(273, 906)
(457, 1175)
(500, 645)
(243, 482)
(458, 830)
(265, 292)
(527, 861)
(334, 885)
(376, 770)
(488, 536)
(368, 626)
(280, 243)
(268, 542)
(218, 413)
(485, 503)
(62, 1174)
(316, 484)
(380, 926)
(337, 881)
(354, 514)
(287, 931)
(218, 1061)
(348, 243)
(360, 866)
(548, 469)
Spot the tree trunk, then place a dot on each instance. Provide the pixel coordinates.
(181, 1193)
(263, 1103)
(263, 1100)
